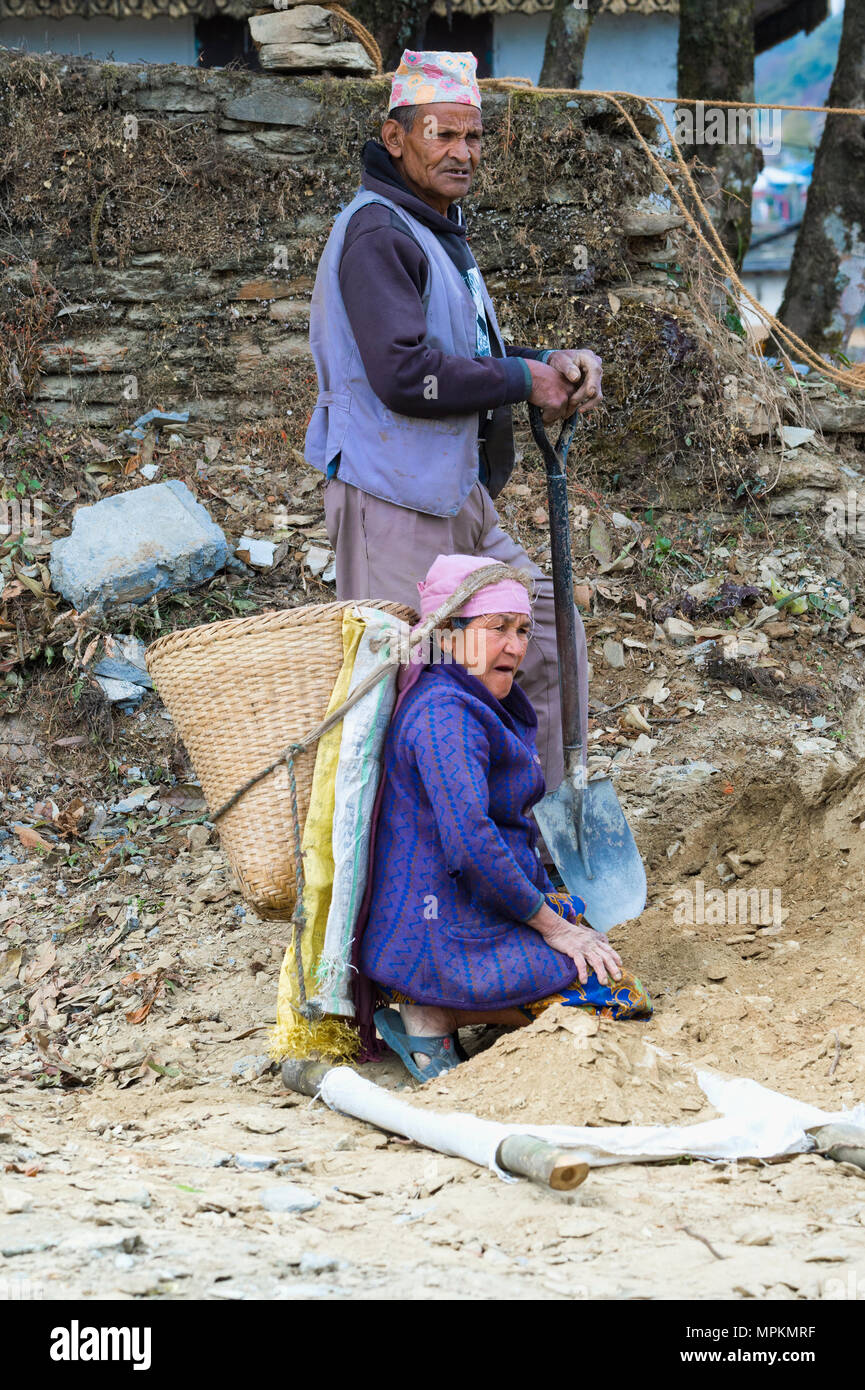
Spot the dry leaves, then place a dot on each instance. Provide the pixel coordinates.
(31, 839)
(44, 961)
(65, 822)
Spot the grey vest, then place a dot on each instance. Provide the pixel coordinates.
(427, 465)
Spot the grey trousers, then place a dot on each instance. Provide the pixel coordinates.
(383, 550)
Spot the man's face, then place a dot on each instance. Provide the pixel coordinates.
(440, 153)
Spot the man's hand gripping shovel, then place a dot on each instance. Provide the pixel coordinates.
(582, 822)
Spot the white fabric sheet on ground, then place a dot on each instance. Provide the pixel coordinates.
(754, 1122)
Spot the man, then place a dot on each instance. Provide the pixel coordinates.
(412, 423)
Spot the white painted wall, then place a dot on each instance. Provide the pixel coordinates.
(625, 52)
(518, 44)
(159, 40)
(632, 53)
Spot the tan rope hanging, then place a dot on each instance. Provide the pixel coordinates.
(360, 31)
(853, 378)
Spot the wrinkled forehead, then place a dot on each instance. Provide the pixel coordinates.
(450, 117)
(510, 619)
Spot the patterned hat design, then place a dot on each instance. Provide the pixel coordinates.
(422, 78)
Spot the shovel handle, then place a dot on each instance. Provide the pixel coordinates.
(555, 460)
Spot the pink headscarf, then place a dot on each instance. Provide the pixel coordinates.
(446, 574)
(443, 578)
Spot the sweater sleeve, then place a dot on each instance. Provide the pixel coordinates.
(382, 276)
(451, 753)
(532, 354)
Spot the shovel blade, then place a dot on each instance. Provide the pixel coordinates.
(602, 865)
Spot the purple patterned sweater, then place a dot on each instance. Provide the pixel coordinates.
(456, 872)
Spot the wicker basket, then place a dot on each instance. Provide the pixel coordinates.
(239, 692)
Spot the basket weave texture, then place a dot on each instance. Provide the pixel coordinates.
(239, 692)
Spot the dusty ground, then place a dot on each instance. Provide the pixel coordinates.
(142, 1130)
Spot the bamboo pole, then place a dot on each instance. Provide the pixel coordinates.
(843, 1143)
(522, 1155)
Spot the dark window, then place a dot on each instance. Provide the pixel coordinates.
(465, 34)
(222, 40)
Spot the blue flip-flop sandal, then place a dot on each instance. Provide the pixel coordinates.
(444, 1053)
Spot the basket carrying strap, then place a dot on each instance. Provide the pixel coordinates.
(478, 579)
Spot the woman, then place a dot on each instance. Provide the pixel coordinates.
(464, 925)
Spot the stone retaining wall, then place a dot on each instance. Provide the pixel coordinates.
(176, 218)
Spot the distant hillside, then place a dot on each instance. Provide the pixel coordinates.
(800, 71)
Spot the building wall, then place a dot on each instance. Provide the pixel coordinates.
(629, 52)
(625, 52)
(160, 40)
(632, 53)
(518, 44)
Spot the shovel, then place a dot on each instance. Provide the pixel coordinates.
(582, 823)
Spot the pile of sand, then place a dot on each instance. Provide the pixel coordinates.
(572, 1068)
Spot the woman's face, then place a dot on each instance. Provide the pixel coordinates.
(496, 648)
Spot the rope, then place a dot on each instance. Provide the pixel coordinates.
(851, 377)
(512, 84)
(490, 574)
(360, 32)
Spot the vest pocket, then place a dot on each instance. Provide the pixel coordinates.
(332, 411)
(452, 425)
(341, 401)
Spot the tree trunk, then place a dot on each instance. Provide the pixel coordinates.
(395, 24)
(716, 61)
(565, 48)
(826, 289)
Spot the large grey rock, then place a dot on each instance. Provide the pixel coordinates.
(300, 24)
(124, 549)
(303, 57)
(839, 414)
(288, 1197)
(269, 103)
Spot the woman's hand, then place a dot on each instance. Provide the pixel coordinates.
(587, 949)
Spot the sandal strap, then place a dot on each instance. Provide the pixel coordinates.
(442, 1047)
(442, 1051)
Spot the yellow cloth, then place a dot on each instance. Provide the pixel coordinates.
(293, 1035)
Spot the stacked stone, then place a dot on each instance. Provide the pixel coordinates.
(296, 37)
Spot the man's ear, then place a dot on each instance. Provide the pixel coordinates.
(391, 137)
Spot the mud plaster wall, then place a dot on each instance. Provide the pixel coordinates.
(162, 227)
